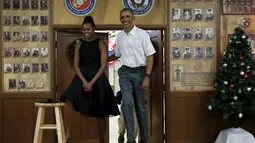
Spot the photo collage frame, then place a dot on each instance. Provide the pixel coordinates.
(193, 41)
(26, 45)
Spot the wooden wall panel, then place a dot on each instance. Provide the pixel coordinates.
(187, 118)
(107, 12)
(19, 118)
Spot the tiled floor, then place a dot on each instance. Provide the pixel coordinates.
(113, 127)
(113, 130)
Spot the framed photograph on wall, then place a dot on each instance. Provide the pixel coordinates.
(238, 7)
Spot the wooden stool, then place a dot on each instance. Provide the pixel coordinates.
(40, 126)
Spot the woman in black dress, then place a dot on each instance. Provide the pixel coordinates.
(90, 92)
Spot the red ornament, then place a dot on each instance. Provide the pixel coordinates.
(253, 58)
(241, 57)
(253, 73)
(246, 76)
(232, 86)
(215, 85)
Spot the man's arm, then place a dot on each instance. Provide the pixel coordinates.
(150, 61)
(113, 58)
(149, 50)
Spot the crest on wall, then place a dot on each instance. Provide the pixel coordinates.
(80, 7)
(244, 22)
(139, 7)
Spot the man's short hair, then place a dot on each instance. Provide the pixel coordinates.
(127, 9)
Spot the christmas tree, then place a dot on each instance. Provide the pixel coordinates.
(235, 79)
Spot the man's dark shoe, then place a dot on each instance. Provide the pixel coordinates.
(121, 139)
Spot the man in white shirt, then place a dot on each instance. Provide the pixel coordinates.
(134, 47)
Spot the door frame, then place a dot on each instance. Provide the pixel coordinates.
(77, 28)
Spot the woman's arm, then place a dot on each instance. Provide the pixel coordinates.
(104, 56)
(77, 60)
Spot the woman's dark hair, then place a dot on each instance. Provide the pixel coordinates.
(89, 19)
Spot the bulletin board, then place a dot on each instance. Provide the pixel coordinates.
(193, 44)
(26, 46)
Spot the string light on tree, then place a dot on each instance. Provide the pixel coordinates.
(240, 115)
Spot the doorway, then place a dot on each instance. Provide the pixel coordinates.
(64, 75)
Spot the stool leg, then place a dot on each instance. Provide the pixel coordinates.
(60, 132)
(62, 125)
(39, 121)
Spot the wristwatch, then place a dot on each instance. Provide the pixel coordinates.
(148, 75)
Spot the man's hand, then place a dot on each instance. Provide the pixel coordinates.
(145, 84)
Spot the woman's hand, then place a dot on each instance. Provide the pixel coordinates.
(78, 43)
(87, 86)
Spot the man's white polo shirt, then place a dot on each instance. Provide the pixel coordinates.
(134, 48)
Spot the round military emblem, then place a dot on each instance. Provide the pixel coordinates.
(80, 7)
(139, 7)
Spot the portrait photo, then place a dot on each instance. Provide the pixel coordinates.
(209, 33)
(26, 68)
(198, 53)
(16, 20)
(187, 14)
(35, 36)
(35, 67)
(25, 21)
(187, 53)
(44, 52)
(198, 33)
(209, 52)
(26, 37)
(43, 5)
(7, 4)
(25, 4)
(16, 4)
(44, 20)
(7, 36)
(187, 34)
(7, 68)
(21, 84)
(16, 36)
(198, 13)
(176, 14)
(34, 4)
(44, 67)
(16, 68)
(35, 52)
(176, 53)
(44, 36)
(7, 52)
(12, 83)
(26, 52)
(176, 34)
(209, 14)
(34, 20)
(16, 52)
(7, 20)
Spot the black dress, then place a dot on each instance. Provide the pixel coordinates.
(100, 102)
